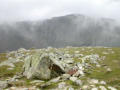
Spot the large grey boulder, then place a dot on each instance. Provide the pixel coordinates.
(43, 66)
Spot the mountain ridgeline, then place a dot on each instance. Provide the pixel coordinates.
(70, 30)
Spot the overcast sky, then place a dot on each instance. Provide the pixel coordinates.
(17, 10)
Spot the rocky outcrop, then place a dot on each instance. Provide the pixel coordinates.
(47, 65)
(44, 66)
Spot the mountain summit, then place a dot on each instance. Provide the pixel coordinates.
(69, 30)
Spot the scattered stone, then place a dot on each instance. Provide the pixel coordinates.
(92, 85)
(13, 88)
(3, 84)
(78, 55)
(111, 88)
(61, 85)
(78, 82)
(94, 89)
(44, 84)
(109, 70)
(67, 56)
(85, 87)
(102, 88)
(105, 53)
(22, 49)
(70, 88)
(37, 81)
(55, 80)
(93, 81)
(92, 58)
(77, 52)
(10, 62)
(73, 79)
(65, 76)
(98, 65)
(80, 72)
(102, 82)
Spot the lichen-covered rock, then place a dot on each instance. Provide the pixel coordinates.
(42, 66)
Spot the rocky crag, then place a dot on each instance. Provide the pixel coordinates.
(70, 68)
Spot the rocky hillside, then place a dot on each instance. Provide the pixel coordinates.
(70, 68)
(70, 30)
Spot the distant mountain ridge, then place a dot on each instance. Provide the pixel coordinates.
(69, 30)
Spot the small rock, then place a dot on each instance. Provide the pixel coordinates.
(67, 55)
(73, 79)
(70, 88)
(13, 88)
(55, 80)
(61, 85)
(93, 81)
(98, 65)
(78, 82)
(81, 72)
(94, 89)
(80, 66)
(21, 49)
(44, 84)
(16, 80)
(92, 85)
(65, 76)
(102, 88)
(77, 52)
(37, 81)
(109, 70)
(111, 88)
(85, 87)
(102, 82)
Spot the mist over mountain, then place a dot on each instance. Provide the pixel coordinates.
(69, 30)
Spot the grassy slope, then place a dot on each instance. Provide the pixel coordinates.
(112, 61)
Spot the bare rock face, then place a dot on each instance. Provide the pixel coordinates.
(42, 66)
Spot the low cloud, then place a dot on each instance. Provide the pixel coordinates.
(18, 10)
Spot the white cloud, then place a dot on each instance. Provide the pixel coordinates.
(15, 10)
(40, 13)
